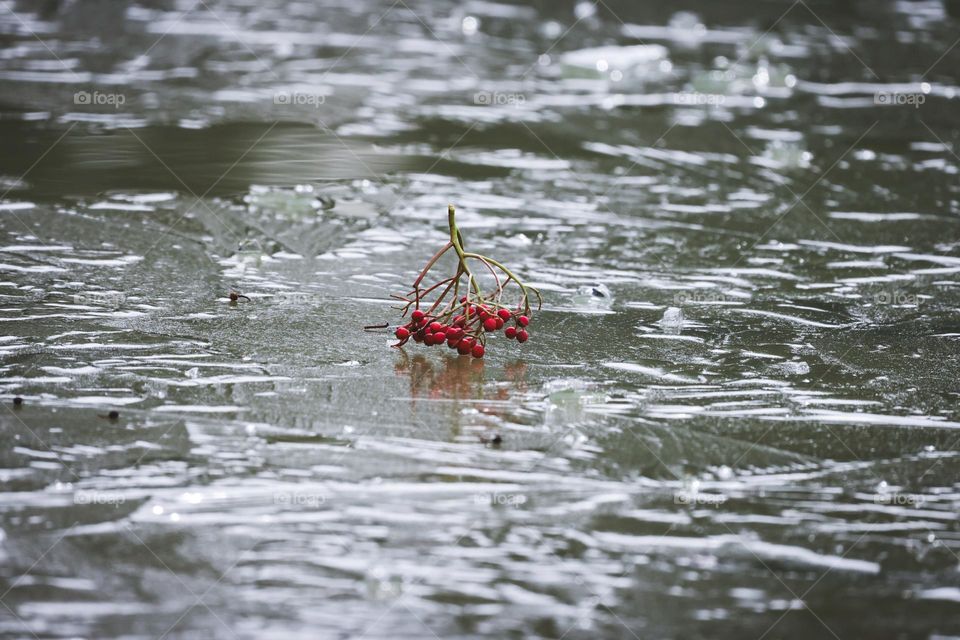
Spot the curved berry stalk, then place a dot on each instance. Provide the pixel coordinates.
(457, 310)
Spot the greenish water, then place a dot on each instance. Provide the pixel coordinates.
(737, 416)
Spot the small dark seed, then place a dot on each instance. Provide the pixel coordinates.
(113, 415)
(234, 296)
(496, 440)
(17, 401)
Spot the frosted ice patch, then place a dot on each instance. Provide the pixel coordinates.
(596, 296)
(672, 320)
(16, 206)
(792, 368)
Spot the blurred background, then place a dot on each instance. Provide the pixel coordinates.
(737, 415)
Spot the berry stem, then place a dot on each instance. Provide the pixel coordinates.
(510, 275)
(430, 263)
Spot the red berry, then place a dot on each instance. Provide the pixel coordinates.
(402, 333)
(435, 326)
(463, 348)
(417, 315)
(499, 322)
(419, 336)
(522, 336)
(477, 351)
(453, 342)
(523, 320)
(459, 321)
(511, 333)
(490, 324)
(504, 314)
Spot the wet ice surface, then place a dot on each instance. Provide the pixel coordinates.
(738, 412)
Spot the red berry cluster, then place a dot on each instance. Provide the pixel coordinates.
(466, 331)
(463, 322)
